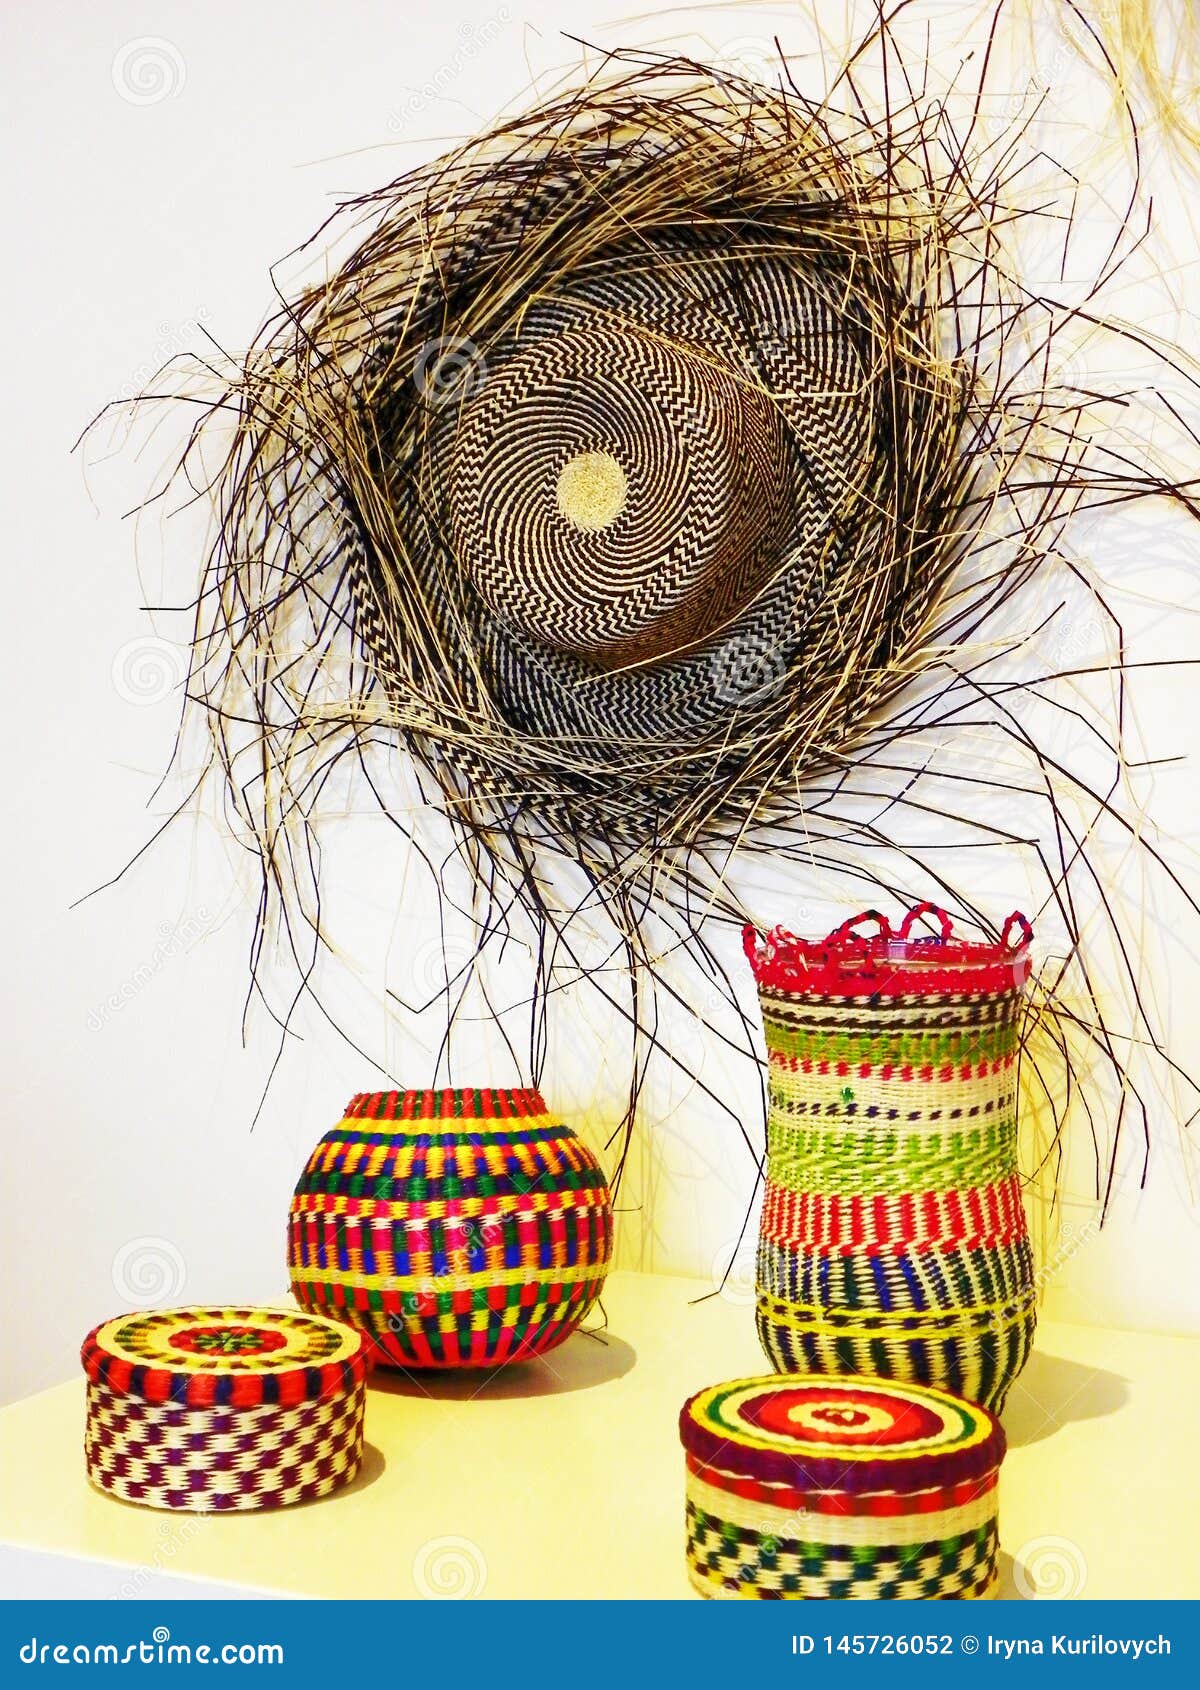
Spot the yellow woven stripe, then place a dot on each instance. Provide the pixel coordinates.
(910, 1328)
(813, 1527)
(394, 1209)
(418, 1284)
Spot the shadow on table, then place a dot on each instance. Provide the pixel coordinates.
(1052, 1392)
(585, 1360)
(1007, 1588)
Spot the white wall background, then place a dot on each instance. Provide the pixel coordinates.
(139, 225)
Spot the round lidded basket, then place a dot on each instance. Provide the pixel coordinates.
(455, 1228)
(223, 1409)
(893, 1238)
(811, 1488)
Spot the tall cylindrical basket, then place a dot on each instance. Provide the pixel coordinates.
(893, 1238)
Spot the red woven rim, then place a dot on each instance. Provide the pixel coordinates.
(719, 1454)
(196, 1389)
(891, 961)
(447, 1103)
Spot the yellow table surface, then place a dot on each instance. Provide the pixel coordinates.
(564, 1477)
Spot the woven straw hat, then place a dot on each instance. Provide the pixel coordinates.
(649, 433)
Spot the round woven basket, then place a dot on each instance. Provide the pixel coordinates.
(454, 1228)
(218, 1409)
(893, 1237)
(813, 1488)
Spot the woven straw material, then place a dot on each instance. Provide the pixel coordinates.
(456, 1228)
(202, 1460)
(818, 1489)
(217, 1410)
(893, 1238)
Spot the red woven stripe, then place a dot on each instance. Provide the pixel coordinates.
(494, 1103)
(924, 1074)
(926, 1219)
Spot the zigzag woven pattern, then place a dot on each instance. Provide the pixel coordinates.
(697, 371)
(893, 1238)
(455, 1228)
(223, 1409)
(819, 1489)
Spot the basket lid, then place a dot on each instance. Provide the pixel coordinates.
(891, 960)
(847, 1435)
(231, 1357)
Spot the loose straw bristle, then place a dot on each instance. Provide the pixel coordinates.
(814, 717)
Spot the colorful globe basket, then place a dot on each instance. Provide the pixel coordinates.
(819, 1488)
(455, 1228)
(219, 1409)
(893, 1238)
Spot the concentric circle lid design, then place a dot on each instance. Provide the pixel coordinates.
(239, 1357)
(840, 1434)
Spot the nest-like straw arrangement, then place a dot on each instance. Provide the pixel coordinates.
(657, 173)
(333, 613)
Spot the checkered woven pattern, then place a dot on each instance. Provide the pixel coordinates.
(224, 1459)
(725, 1560)
(813, 1488)
(893, 1238)
(455, 1228)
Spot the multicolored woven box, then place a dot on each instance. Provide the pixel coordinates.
(213, 1409)
(819, 1488)
(455, 1228)
(893, 1238)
